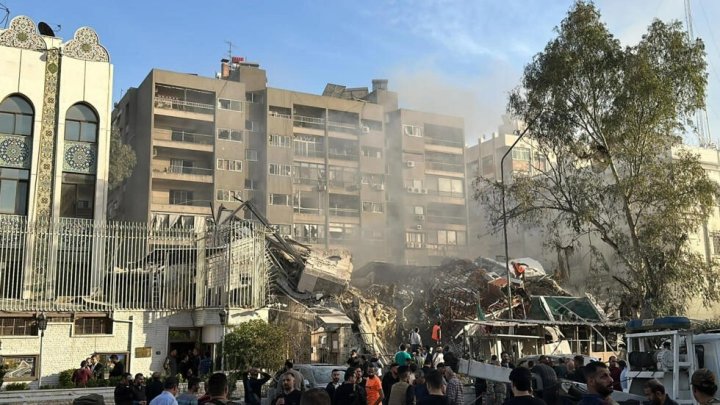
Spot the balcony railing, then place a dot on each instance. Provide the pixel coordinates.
(183, 105)
(310, 153)
(453, 194)
(446, 167)
(279, 115)
(344, 212)
(343, 154)
(444, 219)
(202, 171)
(301, 119)
(444, 142)
(187, 137)
(90, 266)
(308, 211)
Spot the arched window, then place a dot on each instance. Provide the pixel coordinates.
(81, 124)
(16, 125)
(77, 193)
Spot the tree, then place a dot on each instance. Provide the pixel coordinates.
(256, 343)
(122, 159)
(608, 120)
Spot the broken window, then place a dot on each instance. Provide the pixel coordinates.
(311, 233)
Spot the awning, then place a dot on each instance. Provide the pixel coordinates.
(335, 319)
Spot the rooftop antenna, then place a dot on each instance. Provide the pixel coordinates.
(6, 18)
(230, 48)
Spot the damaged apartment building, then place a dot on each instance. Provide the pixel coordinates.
(345, 169)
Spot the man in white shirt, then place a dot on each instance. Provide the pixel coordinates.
(415, 340)
(167, 397)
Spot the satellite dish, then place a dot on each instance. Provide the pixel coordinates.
(45, 29)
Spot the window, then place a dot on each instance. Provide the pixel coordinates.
(228, 164)
(411, 130)
(228, 195)
(253, 97)
(251, 184)
(230, 134)
(252, 126)
(374, 207)
(81, 124)
(450, 238)
(16, 116)
(276, 169)
(93, 326)
(281, 141)
(20, 368)
(370, 152)
(340, 231)
(414, 184)
(13, 191)
(521, 154)
(16, 326)
(311, 233)
(181, 197)
(77, 195)
(539, 163)
(450, 187)
(418, 210)
(251, 155)
(279, 199)
(226, 104)
(414, 239)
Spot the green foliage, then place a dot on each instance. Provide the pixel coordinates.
(608, 120)
(65, 378)
(122, 160)
(3, 371)
(19, 386)
(255, 343)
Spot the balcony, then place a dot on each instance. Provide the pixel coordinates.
(181, 207)
(444, 142)
(444, 219)
(184, 173)
(309, 122)
(445, 167)
(184, 108)
(183, 140)
(344, 212)
(308, 211)
(343, 154)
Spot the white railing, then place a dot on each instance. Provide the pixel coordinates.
(83, 265)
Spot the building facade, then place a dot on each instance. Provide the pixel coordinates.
(73, 284)
(56, 101)
(336, 171)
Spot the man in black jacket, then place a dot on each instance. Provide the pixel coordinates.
(253, 385)
(348, 393)
(123, 391)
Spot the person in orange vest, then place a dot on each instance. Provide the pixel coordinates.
(436, 333)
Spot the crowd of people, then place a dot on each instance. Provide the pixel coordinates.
(94, 369)
(158, 391)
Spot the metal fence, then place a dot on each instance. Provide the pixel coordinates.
(84, 265)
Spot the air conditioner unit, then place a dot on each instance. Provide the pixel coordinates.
(365, 129)
(418, 227)
(322, 187)
(420, 217)
(411, 244)
(424, 191)
(419, 245)
(416, 191)
(410, 189)
(379, 187)
(410, 163)
(155, 152)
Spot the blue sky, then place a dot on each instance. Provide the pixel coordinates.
(459, 57)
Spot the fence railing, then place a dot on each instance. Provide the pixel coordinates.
(84, 265)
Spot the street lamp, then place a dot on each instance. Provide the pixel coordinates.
(223, 320)
(42, 325)
(504, 213)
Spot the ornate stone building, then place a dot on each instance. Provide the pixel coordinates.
(55, 104)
